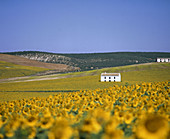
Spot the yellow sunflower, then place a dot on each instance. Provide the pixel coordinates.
(128, 117)
(11, 105)
(22, 123)
(100, 115)
(32, 132)
(9, 133)
(153, 127)
(1, 136)
(111, 125)
(25, 111)
(31, 121)
(1, 123)
(115, 134)
(90, 125)
(60, 130)
(46, 122)
(120, 116)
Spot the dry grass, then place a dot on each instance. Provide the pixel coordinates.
(27, 62)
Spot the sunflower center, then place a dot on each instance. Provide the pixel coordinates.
(31, 119)
(154, 124)
(87, 122)
(44, 122)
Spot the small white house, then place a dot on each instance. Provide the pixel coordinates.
(163, 59)
(110, 77)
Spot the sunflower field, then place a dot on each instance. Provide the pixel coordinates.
(140, 111)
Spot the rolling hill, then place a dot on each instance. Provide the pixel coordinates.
(89, 61)
(15, 66)
(29, 62)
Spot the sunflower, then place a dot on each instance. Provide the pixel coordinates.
(11, 105)
(22, 123)
(15, 124)
(75, 134)
(111, 125)
(68, 107)
(60, 130)
(1, 136)
(115, 134)
(1, 123)
(128, 117)
(90, 125)
(100, 115)
(31, 121)
(46, 122)
(9, 133)
(120, 116)
(153, 127)
(150, 109)
(32, 132)
(47, 113)
(25, 111)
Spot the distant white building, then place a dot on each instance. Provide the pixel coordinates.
(110, 77)
(163, 59)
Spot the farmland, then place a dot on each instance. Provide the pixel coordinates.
(133, 111)
(77, 105)
(88, 80)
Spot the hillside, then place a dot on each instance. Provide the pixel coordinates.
(137, 72)
(33, 63)
(10, 70)
(51, 84)
(93, 60)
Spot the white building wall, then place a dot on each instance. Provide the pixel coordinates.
(111, 78)
(163, 59)
(158, 60)
(102, 78)
(166, 59)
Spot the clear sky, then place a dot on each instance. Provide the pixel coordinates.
(85, 26)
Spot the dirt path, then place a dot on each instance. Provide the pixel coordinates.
(28, 78)
(35, 78)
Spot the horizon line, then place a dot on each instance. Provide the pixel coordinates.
(126, 51)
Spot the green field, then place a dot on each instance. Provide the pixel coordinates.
(85, 81)
(9, 70)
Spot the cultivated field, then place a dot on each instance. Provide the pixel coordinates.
(77, 105)
(134, 111)
(88, 80)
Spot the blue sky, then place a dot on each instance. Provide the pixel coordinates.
(85, 26)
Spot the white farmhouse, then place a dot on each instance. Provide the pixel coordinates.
(163, 59)
(110, 77)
